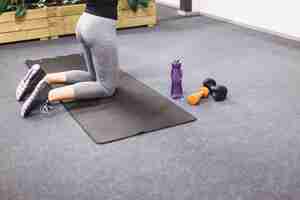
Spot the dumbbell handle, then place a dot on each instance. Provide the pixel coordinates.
(195, 98)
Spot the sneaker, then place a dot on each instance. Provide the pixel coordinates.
(28, 83)
(37, 98)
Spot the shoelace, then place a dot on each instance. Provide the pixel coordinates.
(46, 107)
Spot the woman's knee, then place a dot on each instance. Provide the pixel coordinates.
(75, 76)
(90, 90)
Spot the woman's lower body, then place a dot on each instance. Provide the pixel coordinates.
(98, 38)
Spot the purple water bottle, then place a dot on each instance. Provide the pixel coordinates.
(176, 77)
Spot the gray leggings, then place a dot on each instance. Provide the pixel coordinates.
(98, 38)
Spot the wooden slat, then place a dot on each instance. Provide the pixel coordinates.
(123, 4)
(33, 14)
(35, 24)
(7, 17)
(132, 22)
(24, 35)
(53, 11)
(37, 33)
(71, 19)
(72, 10)
(12, 37)
(70, 23)
(56, 26)
(60, 11)
(140, 13)
(24, 25)
(10, 27)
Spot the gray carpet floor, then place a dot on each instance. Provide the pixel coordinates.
(245, 148)
(166, 12)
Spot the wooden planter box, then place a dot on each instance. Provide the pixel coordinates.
(33, 25)
(51, 22)
(128, 18)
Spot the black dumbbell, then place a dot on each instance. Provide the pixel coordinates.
(218, 92)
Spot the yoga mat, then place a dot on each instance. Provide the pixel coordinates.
(134, 109)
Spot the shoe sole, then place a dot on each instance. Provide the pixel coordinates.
(27, 107)
(24, 84)
(33, 99)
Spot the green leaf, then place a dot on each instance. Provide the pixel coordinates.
(144, 3)
(133, 4)
(21, 11)
(11, 7)
(75, 1)
(42, 1)
(3, 6)
(71, 1)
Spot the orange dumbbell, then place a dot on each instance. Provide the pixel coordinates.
(203, 92)
(195, 98)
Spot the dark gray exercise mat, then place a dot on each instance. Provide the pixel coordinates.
(133, 110)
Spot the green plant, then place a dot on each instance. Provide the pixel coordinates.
(21, 6)
(134, 4)
(71, 2)
(13, 5)
(3, 5)
(9, 5)
(40, 4)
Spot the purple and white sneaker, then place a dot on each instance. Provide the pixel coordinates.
(28, 83)
(38, 97)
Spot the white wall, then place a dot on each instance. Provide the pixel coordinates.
(172, 3)
(277, 16)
